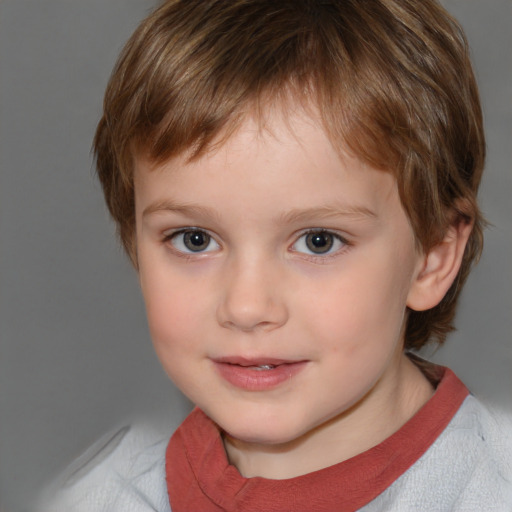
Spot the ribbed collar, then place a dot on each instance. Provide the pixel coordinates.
(200, 478)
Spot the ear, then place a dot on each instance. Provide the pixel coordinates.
(439, 267)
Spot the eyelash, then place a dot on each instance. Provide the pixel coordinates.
(168, 239)
(318, 257)
(327, 256)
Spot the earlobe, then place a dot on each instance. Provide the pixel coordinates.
(439, 268)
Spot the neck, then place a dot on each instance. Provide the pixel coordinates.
(381, 412)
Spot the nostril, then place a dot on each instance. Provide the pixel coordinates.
(260, 326)
(247, 320)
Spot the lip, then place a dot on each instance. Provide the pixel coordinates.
(242, 372)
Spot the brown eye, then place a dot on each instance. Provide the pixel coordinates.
(319, 242)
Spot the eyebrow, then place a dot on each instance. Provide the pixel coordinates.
(328, 211)
(183, 208)
(292, 216)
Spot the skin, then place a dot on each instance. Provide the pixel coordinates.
(257, 291)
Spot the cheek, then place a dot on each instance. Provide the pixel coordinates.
(175, 330)
(172, 312)
(357, 308)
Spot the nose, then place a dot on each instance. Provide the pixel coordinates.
(253, 298)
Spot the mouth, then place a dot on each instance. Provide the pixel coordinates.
(262, 367)
(258, 374)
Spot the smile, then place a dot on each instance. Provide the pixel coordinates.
(257, 375)
(263, 367)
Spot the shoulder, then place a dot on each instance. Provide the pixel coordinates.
(124, 470)
(468, 468)
(484, 435)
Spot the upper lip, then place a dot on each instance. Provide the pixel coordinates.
(254, 361)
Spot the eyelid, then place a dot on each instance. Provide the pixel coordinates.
(170, 235)
(321, 256)
(336, 233)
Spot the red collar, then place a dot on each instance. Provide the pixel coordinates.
(199, 476)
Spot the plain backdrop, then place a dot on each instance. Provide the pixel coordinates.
(75, 356)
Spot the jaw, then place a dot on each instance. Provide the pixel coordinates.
(339, 438)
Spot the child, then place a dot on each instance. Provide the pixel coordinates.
(295, 183)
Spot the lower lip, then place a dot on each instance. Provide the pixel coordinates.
(248, 378)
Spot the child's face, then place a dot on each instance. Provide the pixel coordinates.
(276, 276)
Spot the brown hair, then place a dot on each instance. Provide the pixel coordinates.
(391, 79)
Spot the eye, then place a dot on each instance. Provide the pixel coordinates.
(319, 242)
(192, 241)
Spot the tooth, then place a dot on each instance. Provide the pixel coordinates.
(262, 367)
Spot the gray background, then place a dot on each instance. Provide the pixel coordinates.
(75, 357)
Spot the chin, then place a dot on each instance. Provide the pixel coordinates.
(259, 431)
(262, 439)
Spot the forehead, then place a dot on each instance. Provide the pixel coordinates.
(285, 167)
